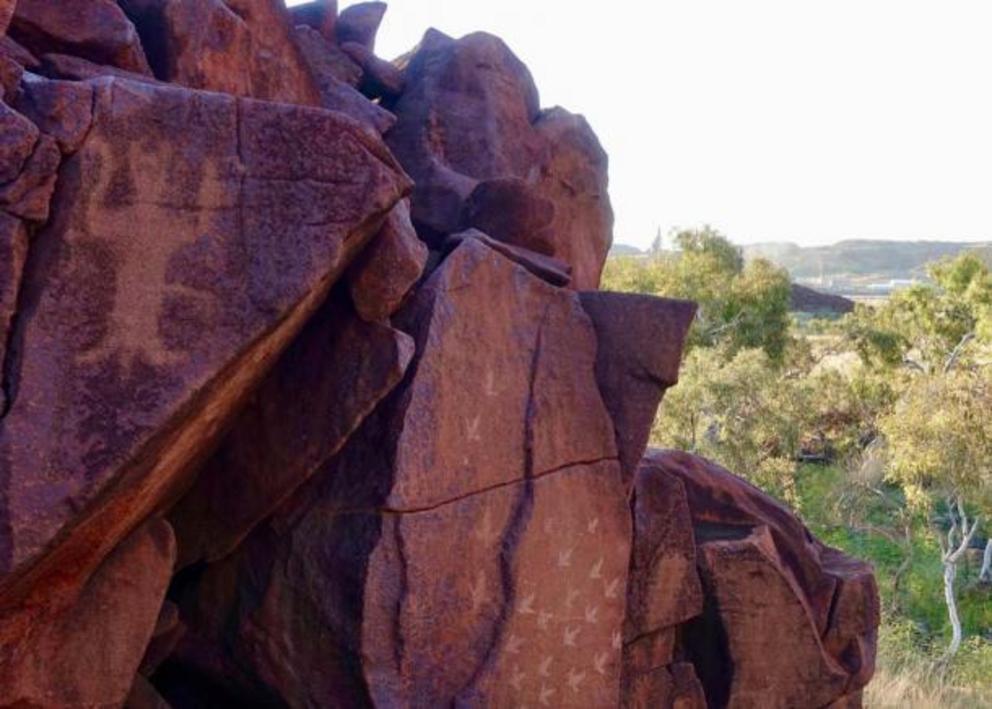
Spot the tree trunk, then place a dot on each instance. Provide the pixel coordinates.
(951, 555)
(950, 573)
(986, 575)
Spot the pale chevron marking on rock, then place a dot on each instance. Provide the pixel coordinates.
(513, 644)
(592, 615)
(568, 639)
(473, 428)
(526, 605)
(545, 695)
(575, 679)
(565, 558)
(612, 587)
(599, 663)
(593, 525)
(544, 669)
(596, 572)
(543, 618)
(517, 678)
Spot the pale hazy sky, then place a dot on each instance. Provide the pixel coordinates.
(769, 119)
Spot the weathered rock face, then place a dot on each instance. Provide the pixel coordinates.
(88, 653)
(281, 426)
(93, 29)
(494, 160)
(190, 238)
(239, 47)
(442, 516)
(762, 572)
(295, 422)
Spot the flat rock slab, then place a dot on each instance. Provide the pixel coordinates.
(93, 29)
(641, 338)
(425, 547)
(192, 234)
(787, 621)
(86, 655)
(239, 47)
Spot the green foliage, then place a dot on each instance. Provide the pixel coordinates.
(928, 326)
(939, 438)
(740, 306)
(741, 413)
(892, 402)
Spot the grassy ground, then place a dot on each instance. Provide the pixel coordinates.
(914, 627)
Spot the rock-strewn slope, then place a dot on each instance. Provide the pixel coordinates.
(309, 398)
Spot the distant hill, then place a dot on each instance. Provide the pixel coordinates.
(861, 257)
(624, 250)
(807, 300)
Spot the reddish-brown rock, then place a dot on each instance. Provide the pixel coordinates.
(11, 74)
(192, 235)
(60, 109)
(469, 114)
(396, 476)
(86, 653)
(675, 686)
(555, 272)
(663, 592)
(424, 548)
(318, 393)
(326, 58)
(333, 82)
(13, 254)
(14, 52)
(29, 160)
(239, 47)
(143, 695)
(664, 589)
(320, 15)
(6, 13)
(511, 210)
(169, 629)
(97, 30)
(574, 178)
(640, 349)
(66, 66)
(380, 79)
(359, 23)
(787, 621)
(386, 271)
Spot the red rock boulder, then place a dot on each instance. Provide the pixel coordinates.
(86, 653)
(470, 114)
(787, 621)
(433, 560)
(192, 234)
(93, 29)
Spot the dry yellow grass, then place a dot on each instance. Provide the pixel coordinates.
(918, 688)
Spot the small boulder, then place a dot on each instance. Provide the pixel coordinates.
(359, 23)
(380, 79)
(86, 653)
(382, 276)
(97, 30)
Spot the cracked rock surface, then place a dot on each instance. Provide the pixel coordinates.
(308, 396)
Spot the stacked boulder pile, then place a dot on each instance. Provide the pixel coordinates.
(309, 397)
